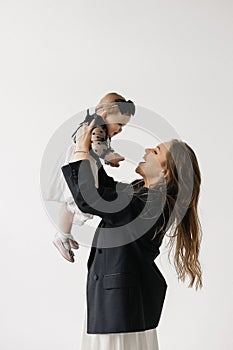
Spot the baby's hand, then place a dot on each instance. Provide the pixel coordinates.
(114, 159)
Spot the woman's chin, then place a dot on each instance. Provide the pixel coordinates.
(138, 169)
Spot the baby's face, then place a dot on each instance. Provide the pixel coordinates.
(115, 123)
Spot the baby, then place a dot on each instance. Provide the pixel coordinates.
(112, 113)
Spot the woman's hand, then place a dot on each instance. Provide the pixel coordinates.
(83, 137)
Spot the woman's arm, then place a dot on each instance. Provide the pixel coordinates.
(115, 204)
(107, 181)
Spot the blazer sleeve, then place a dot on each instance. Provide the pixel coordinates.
(113, 202)
(108, 181)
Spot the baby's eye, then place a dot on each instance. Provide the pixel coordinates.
(119, 124)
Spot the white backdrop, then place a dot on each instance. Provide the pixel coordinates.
(57, 58)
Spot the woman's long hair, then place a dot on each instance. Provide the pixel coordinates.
(180, 213)
(183, 189)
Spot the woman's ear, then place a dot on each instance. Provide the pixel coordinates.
(165, 173)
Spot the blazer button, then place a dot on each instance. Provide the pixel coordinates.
(100, 251)
(96, 277)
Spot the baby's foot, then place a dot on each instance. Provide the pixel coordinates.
(64, 242)
(113, 159)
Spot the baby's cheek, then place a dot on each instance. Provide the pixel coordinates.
(109, 128)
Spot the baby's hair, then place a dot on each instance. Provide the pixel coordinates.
(107, 103)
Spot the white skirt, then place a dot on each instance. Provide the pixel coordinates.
(146, 340)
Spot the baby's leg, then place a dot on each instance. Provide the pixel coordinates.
(63, 239)
(65, 219)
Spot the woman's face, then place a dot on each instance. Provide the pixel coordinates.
(155, 162)
(115, 122)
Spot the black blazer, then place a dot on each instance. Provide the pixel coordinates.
(125, 289)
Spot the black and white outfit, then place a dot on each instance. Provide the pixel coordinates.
(125, 289)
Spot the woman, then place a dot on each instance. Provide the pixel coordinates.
(125, 288)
